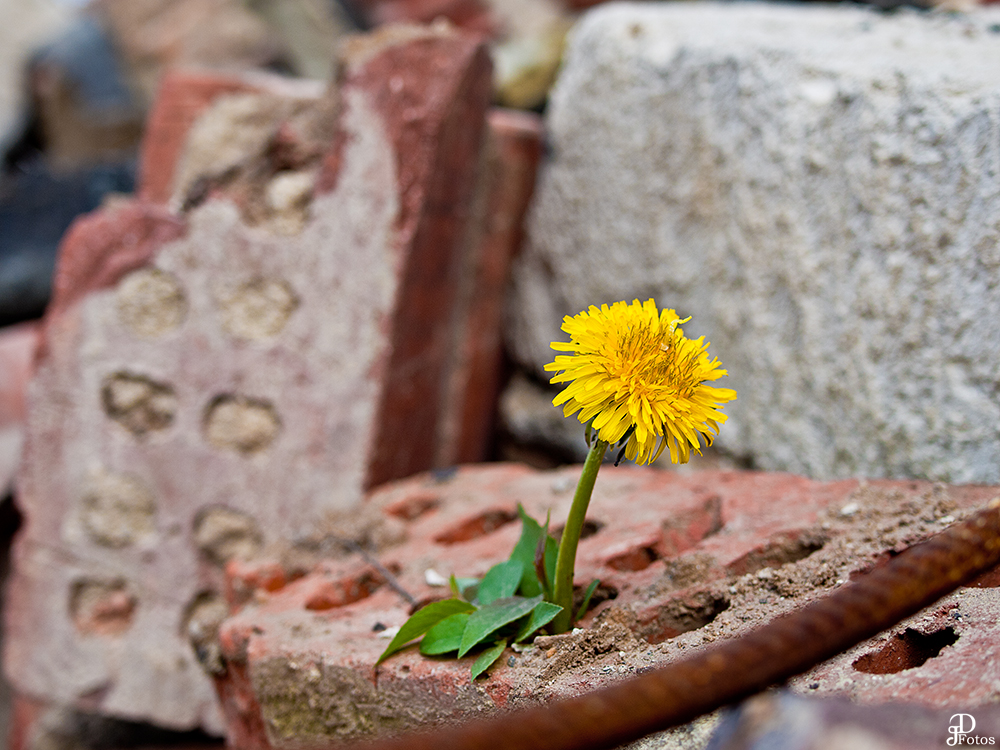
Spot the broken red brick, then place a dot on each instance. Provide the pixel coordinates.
(507, 182)
(183, 96)
(439, 128)
(24, 714)
(101, 247)
(217, 380)
(758, 558)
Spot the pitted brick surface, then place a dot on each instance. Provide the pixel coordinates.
(210, 384)
(688, 559)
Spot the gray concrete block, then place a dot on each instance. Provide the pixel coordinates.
(818, 187)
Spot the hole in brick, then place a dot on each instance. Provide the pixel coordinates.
(682, 615)
(590, 527)
(329, 594)
(241, 424)
(151, 302)
(224, 534)
(413, 507)
(477, 526)
(200, 627)
(633, 559)
(604, 592)
(781, 549)
(684, 530)
(138, 403)
(101, 607)
(117, 510)
(256, 309)
(905, 650)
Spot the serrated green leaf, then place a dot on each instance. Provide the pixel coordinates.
(487, 658)
(586, 599)
(500, 581)
(423, 620)
(446, 636)
(492, 617)
(524, 551)
(541, 615)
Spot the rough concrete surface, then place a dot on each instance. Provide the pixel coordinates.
(818, 187)
(210, 383)
(697, 558)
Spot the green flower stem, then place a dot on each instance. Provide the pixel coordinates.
(562, 594)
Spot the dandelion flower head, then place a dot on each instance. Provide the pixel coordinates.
(634, 373)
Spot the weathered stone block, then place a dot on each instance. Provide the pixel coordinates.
(817, 187)
(683, 561)
(219, 372)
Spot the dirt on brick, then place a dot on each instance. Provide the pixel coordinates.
(780, 542)
(873, 525)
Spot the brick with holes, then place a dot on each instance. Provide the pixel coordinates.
(683, 559)
(248, 346)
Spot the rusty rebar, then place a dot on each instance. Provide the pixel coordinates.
(732, 670)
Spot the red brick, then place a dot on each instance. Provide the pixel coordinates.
(182, 97)
(507, 182)
(24, 714)
(754, 564)
(173, 429)
(437, 131)
(102, 247)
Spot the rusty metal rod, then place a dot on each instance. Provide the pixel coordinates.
(735, 669)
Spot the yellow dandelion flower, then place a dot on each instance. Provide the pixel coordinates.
(635, 374)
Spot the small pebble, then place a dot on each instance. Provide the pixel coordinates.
(433, 578)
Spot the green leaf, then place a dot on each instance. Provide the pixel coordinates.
(492, 617)
(445, 636)
(586, 599)
(463, 588)
(541, 615)
(531, 534)
(423, 620)
(487, 658)
(500, 581)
